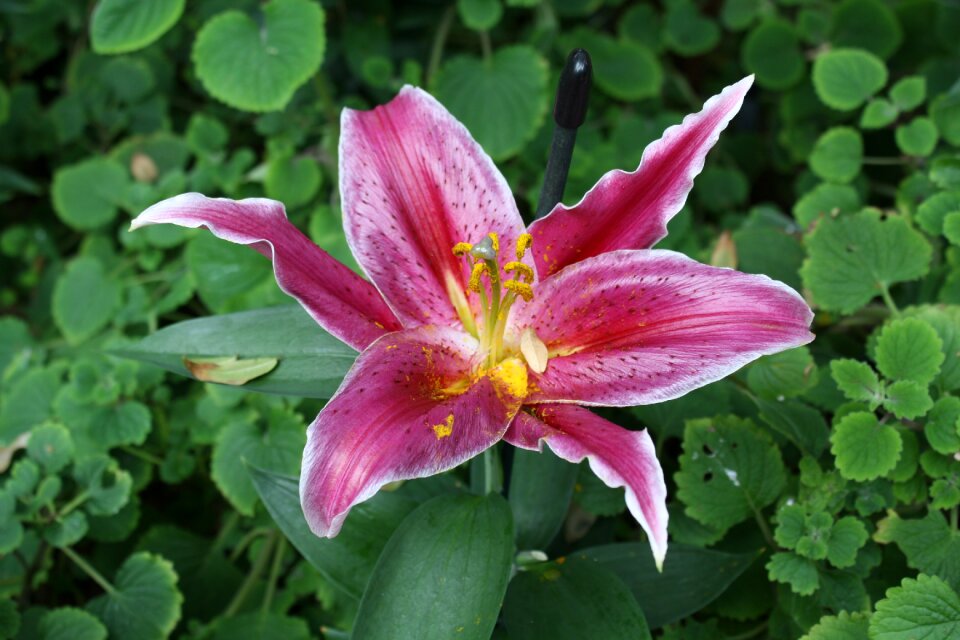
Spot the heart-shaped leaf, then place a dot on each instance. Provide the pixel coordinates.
(119, 26)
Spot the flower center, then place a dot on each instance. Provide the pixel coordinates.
(484, 260)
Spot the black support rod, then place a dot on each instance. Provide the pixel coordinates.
(569, 112)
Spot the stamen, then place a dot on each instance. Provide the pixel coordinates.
(478, 270)
(533, 350)
(525, 271)
(461, 249)
(524, 240)
(496, 241)
(484, 249)
(522, 289)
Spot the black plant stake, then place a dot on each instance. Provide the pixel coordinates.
(569, 112)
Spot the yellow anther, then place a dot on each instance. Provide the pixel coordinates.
(523, 270)
(496, 241)
(462, 249)
(523, 243)
(478, 270)
(522, 289)
(444, 429)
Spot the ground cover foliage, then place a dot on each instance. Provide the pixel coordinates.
(812, 494)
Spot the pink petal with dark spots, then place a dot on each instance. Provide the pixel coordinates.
(414, 183)
(619, 457)
(630, 210)
(339, 300)
(392, 420)
(639, 327)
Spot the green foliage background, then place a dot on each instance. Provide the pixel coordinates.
(813, 494)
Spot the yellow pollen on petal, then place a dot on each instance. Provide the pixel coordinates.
(462, 248)
(478, 270)
(444, 429)
(496, 241)
(510, 376)
(522, 289)
(523, 270)
(523, 243)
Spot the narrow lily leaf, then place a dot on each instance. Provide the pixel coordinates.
(229, 369)
(311, 362)
(692, 577)
(571, 600)
(541, 485)
(347, 560)
(443, 574)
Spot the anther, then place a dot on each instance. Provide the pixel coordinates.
(522, 289)
(524, 271)
(524, 240)
(484, 249)
(495, 239)
(462, 248)
(478, 271)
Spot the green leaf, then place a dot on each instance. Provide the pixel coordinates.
(502, 101)
(144, 603)
(51, 446)
(785, 374)
(276, 447)
(918, 137)
(878, 113)
(687, 31)
(838, 155)
(845, 78)
(930, 544)
(844, 626)
(119, 26)
(27, 403)
(945, 172)
(443, 573)
(84, 299)
(312, 363)
(852, 258)
(480, 15)
(772, 52)
(106, 484)
(951, 227)
(205, 134)
(258, 67)
(909, 93)
(68, 623)
(908, 399)
(66, 530)
(229, 370)
(263, 626)
(858, 381)
(293, 181)
(803, 425)
(541, 486)
(909, 349)
(923, 608)
(790, 569)
(826, 199)
(729, 469)
(945, 111)
(347, 560)
(864, 448)
(692, 577)
(641, 23)
(847, 536)
(87, 195)
(945, 320)
(570, 600)
(933, 211)
(942, 428)
(866, 24)
(123, 423)
(622, 69)
(791, 525)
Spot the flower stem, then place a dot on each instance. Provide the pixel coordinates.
(275, 569)
(439, 40)
(89, 570)
(485, 45)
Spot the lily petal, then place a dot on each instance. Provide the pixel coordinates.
(339, 300)
(414, 183)
(619, 457)
(639, 327)
(630, 210)
(410, 407)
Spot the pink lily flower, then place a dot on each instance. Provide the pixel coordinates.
(473, 329)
